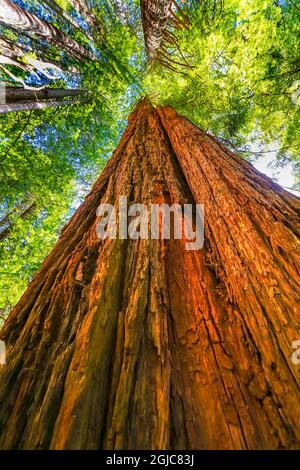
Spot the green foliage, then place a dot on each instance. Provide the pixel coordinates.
(55, 154)
(239, 73)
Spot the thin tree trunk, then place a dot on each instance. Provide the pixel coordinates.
(19, 208)
(9, 49)
(12, 15)
(156, 18)
(62, 13)
(13, 94)
(25, 213)
(16, 51)
(13, 54)
(30, 105)
(140, 344)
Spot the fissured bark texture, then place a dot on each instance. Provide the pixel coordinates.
(124, 344)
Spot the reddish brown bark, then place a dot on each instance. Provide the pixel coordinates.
(156, 18)
(123, 344)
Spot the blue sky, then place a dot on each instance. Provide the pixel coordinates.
(283, 176)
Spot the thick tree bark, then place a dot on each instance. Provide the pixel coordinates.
(124, 344)
(155, 17)
(12, 15)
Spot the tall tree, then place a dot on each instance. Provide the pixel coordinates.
(20, 105)
(243, 61)
(21, 56)
(21, 99)
(83, 8)
(13, 94)
(156, 17)
(54, 6)
(46, 146)
(125, 344)
(12, 15)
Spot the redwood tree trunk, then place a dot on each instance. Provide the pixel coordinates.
(31, 105)
(22, 99)
(123, 344)
(11, 15)
(14, 94)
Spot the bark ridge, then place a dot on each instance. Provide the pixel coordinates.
(140, 344)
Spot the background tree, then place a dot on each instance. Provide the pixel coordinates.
(169, 342)
(231, 72)
(82, 135)
(12, 15)
(243, 59)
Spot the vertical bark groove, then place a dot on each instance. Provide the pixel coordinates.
(123, 344)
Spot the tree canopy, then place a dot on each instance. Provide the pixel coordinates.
(231, 66)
